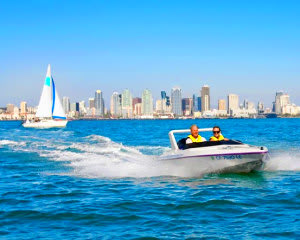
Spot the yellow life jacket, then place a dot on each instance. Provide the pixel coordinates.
(198, 139)
(217, 139)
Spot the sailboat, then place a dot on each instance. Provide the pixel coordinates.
(50, 112)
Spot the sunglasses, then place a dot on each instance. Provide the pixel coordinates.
(216, 131)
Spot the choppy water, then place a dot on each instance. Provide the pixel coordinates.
(101, 179)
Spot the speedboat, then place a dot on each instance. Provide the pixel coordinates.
(215, 156)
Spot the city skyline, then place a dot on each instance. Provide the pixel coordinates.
(125, 105)
(247, 48)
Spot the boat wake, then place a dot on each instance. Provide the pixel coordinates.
(99, 157)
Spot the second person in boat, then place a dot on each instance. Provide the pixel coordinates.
(217, 135)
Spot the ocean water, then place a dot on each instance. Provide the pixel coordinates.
(102, 180)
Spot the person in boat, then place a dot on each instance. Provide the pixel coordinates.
(194, 137)
(217, 135)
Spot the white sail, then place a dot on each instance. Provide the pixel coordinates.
(57, 108)
(45, 105)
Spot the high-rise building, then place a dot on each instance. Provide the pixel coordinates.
(260, 108)
(99, 103)
(116, 104)
(205, 98)
(165, 102)
(221, 104)
(66, 104)
(126, 104)
(245, 104)
(187, 106)
(147, 103)
(195, 104)
(158, 106)
(284, 100)
(232, 102)
(73, 107)
(199, 104)
(135, 101)
(277, 102)
(176, 102)
(91, 103)
(137, 109)
(10, 108)
(77, 107)
(23, 107)
(82, 109)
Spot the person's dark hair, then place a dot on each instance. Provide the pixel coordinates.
(217, 127)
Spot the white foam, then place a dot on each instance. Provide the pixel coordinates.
(9, 142)
(283, 162)
(99, 157)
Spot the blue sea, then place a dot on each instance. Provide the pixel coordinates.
(102, 180)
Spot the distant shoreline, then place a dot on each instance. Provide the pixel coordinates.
(122, 119)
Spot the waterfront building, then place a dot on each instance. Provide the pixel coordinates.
(176, 102)
(158, 106)
(137, 109)
(277, 102)
(290, 109)
(245, 104)
(205, 98)
(135, 101)
(250, 105)
(116, 104)
(196, 103)
(126, 104)
(222, 104)
(91, 103)
(147, 103)
(66, 104)
(82, 109)
(99, 103)
(23, 108)
(165, 102)
(232, 103)
(260, 108)
(73, 107)
(10, 108)
(187, 106)
(284, 100)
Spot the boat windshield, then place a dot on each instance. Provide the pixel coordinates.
(182, 145)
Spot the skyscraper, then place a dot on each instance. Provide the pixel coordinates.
(10, 108)
(66, 104)
(232, 102)
(99, 103)
(147, 103)
(116, 104)
(23, 107)
(195, 103)
(91, 103)
(205, 98)
(221, 104)
(277, 102)
(176, 102)
(187, 105)
(126, 104)
(165, 102)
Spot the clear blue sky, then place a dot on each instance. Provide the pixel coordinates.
(251, 48)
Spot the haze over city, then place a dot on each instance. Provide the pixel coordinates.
(247, 48)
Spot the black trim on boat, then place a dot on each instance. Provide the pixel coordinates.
(182, 143)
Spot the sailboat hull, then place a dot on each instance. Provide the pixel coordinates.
(46, 124)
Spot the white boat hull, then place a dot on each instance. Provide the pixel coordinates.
(218, 159)
(46, 124)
